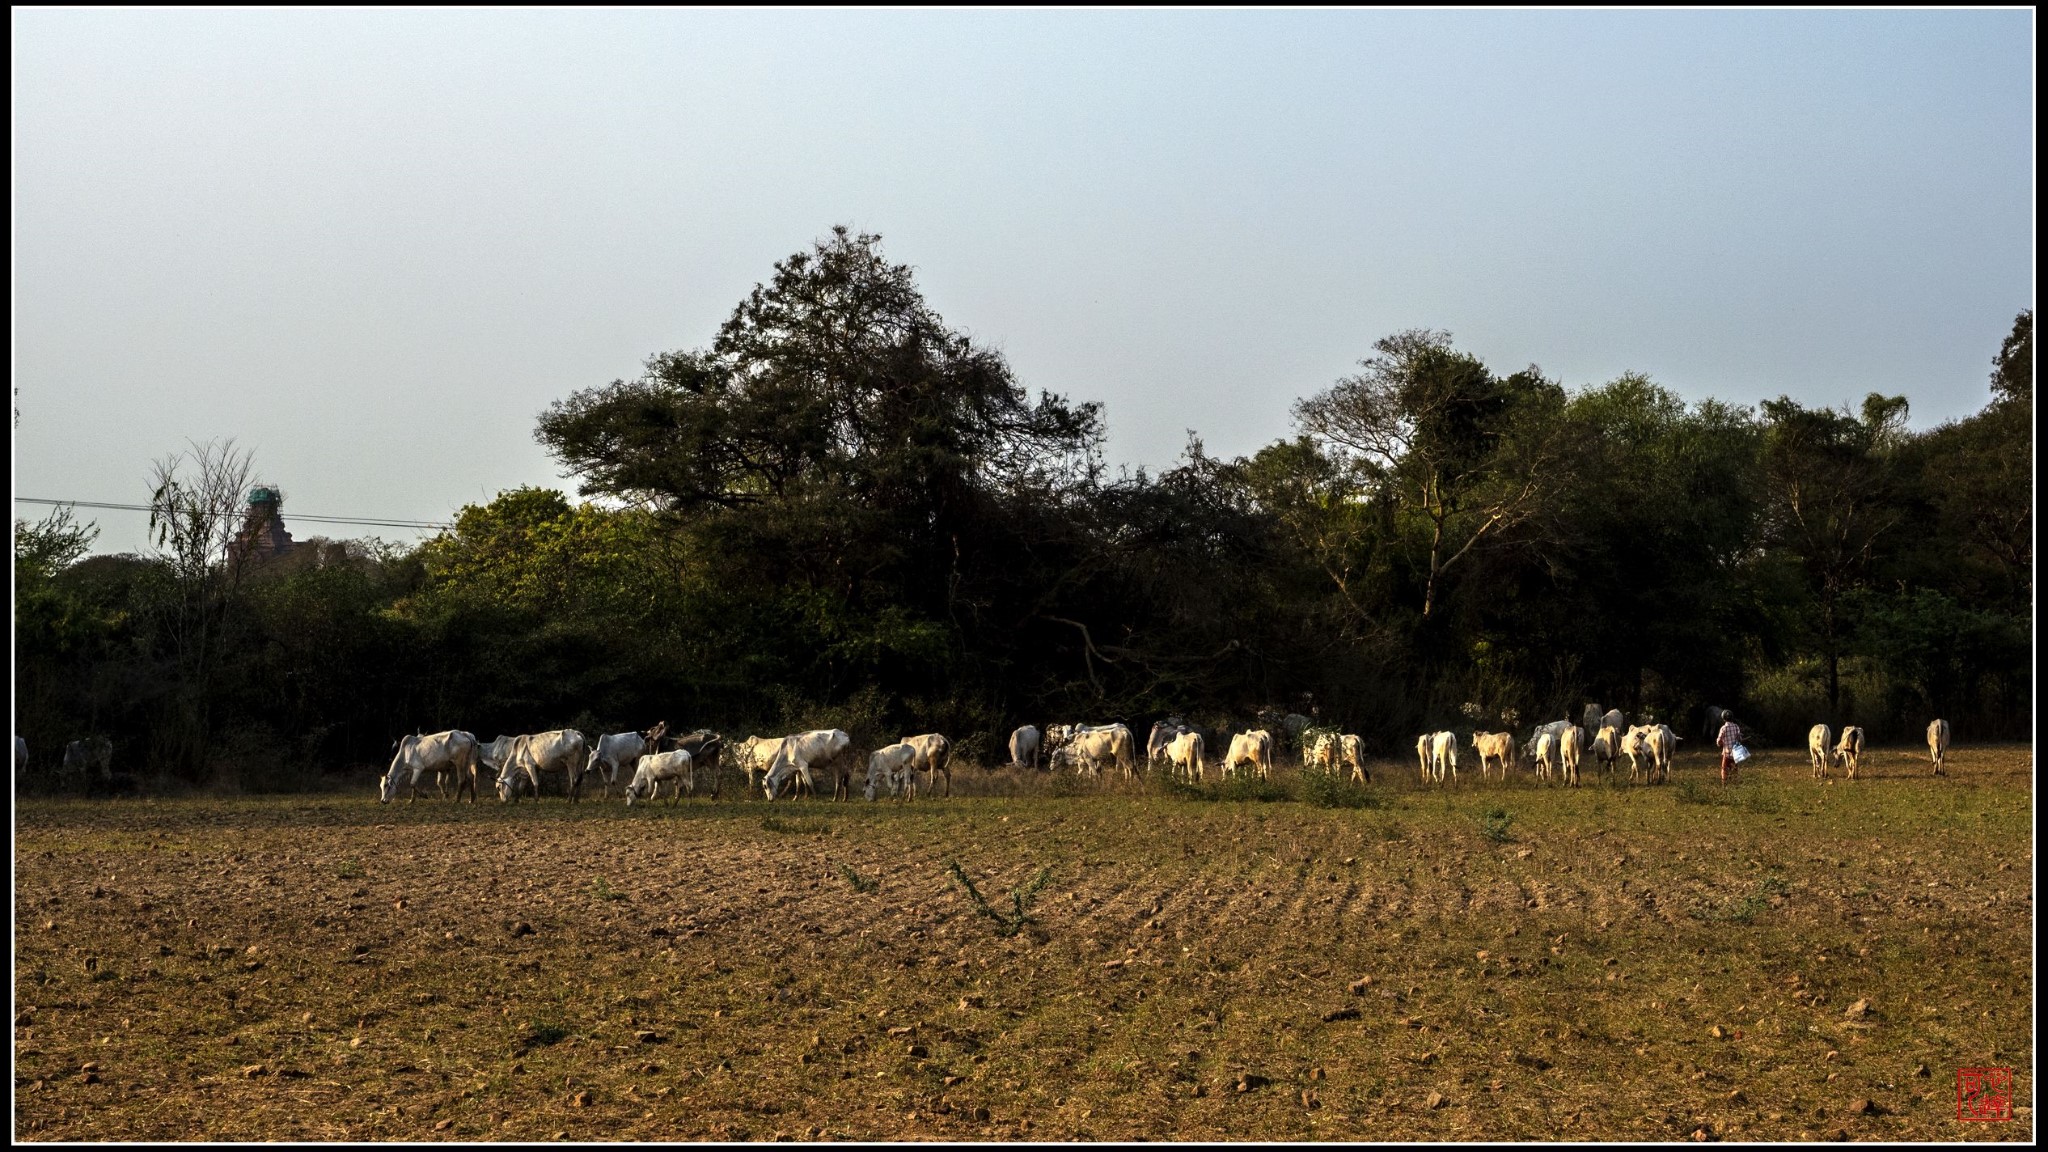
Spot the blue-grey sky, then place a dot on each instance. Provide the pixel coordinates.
(373, 245)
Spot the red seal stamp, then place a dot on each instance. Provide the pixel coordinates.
(1983, 1093)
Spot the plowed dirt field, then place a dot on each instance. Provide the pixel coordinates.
(1770, 960)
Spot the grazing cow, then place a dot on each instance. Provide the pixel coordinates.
(654, 769)
(1024, 744)
(1422, 744)
(1092, 747)
(1937, 746)
(1818, 741)
(1849, 752)
(563, 748)
(89, 763)
(1545, 755)
(753, 756)
(614, 752)
(1443, 755)
(1606, 746)
(893, 768)
(1590, 721)
(1351, 752)
(1254, 748)
(1613, 719)
(1570, 743)
(1161, 735)
(1494, 747)
(443, 754)
(490, 755)
(934, 758)
(1184, 753)
(803, 754)
(1661, 742)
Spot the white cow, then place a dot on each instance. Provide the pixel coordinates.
(1094, 747)
(1662, 744)
(443, 754)
(1024, 743)
(1937, 746)
(1613, 719)
(654, 769)
(1443, 755)
(89, 763)
(491, 754)
(1636, 748)
(1492, 747)
(613, 753)
(802, 755)
(1351, 751)
(1818, 746)
(1590, 721)
(1570, 743)
(753, 756)
(564, 749)
(1254, 748)
(893, 769)
(1545, 755)
(1320, 754)
(1162, 734)
(1554, 729)
(934, 758)
(1422, 744)
(1184, 753)
(1606, 747)
(1849, 752)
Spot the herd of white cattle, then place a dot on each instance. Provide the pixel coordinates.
(796, 764)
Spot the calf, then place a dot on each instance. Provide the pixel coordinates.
(1937, 746)
(1494, 747)
(653, 770)
(893, 768)
(1546, 755)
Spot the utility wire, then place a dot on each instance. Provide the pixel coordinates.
(364, 520)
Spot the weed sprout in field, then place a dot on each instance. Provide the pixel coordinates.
(1322, 789)
(603, 890)
(860, 883)
(1747, 908)
(1493, 824)
(350, 870)
(1007, 924)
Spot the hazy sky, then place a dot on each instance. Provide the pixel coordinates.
(372, 246)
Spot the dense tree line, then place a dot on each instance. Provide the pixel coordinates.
(844, 511)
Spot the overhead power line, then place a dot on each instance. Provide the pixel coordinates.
(368, 521)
